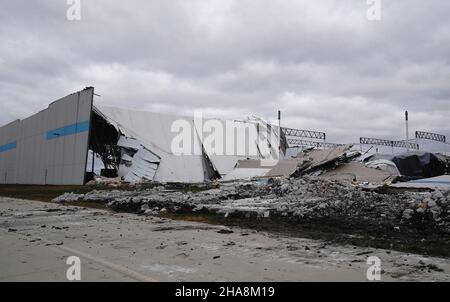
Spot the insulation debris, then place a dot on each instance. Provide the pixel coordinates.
(416, 165)
(384, 165)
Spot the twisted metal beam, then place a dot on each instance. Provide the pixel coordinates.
(388, 143)
(295, 143)
(431, 136)
(304, 133)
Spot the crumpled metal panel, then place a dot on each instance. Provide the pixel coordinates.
(139, 164)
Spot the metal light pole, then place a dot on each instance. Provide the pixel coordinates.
(407, 131)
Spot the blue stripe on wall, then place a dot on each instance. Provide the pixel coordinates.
(8, 147)
(68, 130)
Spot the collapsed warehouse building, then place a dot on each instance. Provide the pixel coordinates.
(62, 145)
(52, 146)
(139, 145)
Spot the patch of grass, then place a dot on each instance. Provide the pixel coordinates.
(49, 192)
(40, 193)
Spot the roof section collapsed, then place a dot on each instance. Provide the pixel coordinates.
(149, 148)
(167, 148)
(53, 147)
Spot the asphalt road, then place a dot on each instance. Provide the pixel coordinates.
(37, 238)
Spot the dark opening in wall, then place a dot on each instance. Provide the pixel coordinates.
(103, 141)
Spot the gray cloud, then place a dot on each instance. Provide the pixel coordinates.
(321, 62)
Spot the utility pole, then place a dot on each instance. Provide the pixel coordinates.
(407, 130)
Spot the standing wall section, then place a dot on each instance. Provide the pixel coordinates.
(8, 152)
(49, 147)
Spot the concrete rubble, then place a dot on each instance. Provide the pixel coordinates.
(306, 198)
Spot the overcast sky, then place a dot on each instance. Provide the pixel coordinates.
(321, 62)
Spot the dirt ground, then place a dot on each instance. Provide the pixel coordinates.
(336, 232)
(49, 192)
(36, 238)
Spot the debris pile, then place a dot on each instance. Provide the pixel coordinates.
(332, 191)
(299, 201)
(108, 181)
(304, 163)
(318, 160)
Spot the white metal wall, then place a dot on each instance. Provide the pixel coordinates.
(8, 136)
(49, 147)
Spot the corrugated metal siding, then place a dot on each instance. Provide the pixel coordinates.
(40, 159)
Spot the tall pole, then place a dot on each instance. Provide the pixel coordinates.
(407, 131)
